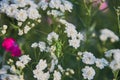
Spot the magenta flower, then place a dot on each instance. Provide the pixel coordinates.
(10, 45)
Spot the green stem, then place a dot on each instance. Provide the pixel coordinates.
(4, 56)
(115, 75)
(118, 21)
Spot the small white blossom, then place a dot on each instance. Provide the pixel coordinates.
(114, 65)
(33, 13)
(42, 46)
(43, 4)
(34, 45)
(20, 64)
(20, 32)
(88, 73)
(106, 33)
(88, 58)
(74, 43)
(41, 65)
(21, 15)
(25, 59)
(26, 29)
(52, 36)
(56, 75)
(101, 63)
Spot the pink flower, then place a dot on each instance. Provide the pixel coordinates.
(103, 6)
(10, 45)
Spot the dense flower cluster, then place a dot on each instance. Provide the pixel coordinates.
(49, 56)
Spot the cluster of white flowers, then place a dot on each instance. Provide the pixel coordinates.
(12, 9)
(5, 76)
(23, 60)
(63, 5)
(89, 59)
(106, 33)
(88, 73)
(42, 46)
(19, 10)
(39, 73)
(115, 63)
(75, 37)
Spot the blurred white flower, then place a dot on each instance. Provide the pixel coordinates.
(25, 59)
(34, 45)
(20, 64)
(40, 75)
(88, 73)
(74, 43)
(11, 10)
(106, 33)
(43, 4)
(101, 63)
(88, 58)
(26, 29)
(21, 15)
(55, 4)
(42, 46)
(41, 65)
(52, 36)
(20, 32)
(67, 5)
(56, 75)
(114, 65)
(55, 13)
(33, 13)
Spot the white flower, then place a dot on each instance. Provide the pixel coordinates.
(74, 43)
(25, 59)
(70, 29)
(20, 23)
(106, 33)
(101, 63)
(20, 64)
(21, 15)
(43, 4)
(68, 6)
(55, 4)
(60, 68)
(13, 69)
(52, 36)
(40, 75)
(3, 7)
(26, 29)
(42, 46)
(88, 73)
(55, 13)
(20, 32)
(5, 27)
(114, 65)
(115, 53)
(13, 77)
(33, 13)
(41, 65)
(52, 65)
(56, 75)
(34, 45)
(88, 58)
(3, 31)
(11, 10)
